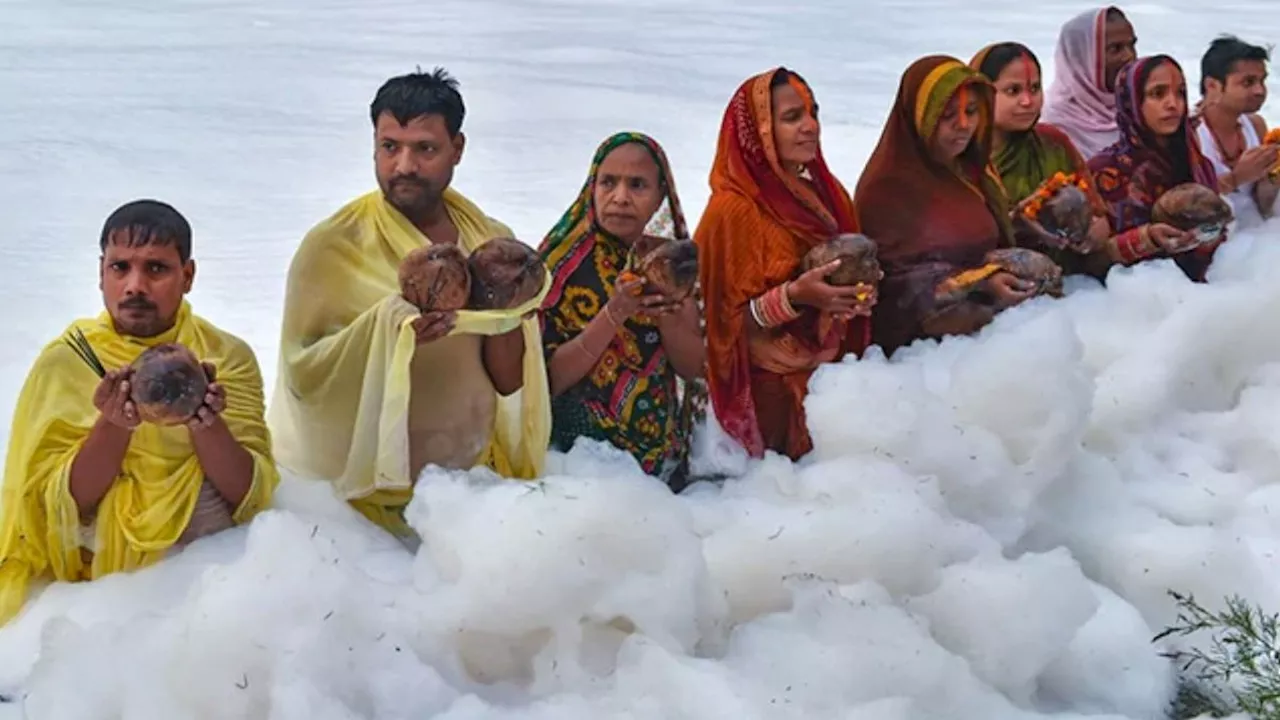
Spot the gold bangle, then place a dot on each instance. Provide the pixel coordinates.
(593, 357)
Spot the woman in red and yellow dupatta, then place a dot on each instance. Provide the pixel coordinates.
(772, 200)
(935, 206)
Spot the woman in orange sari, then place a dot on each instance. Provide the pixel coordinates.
(933, 203)
(769, 327)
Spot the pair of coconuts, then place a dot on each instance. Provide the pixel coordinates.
(1190, 207)
(859, 263)
(501, 274)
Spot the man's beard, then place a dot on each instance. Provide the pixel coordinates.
(420, 198)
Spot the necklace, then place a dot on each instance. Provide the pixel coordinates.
(1228, 158)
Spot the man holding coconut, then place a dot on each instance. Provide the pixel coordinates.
(372, 389)
(137, 431)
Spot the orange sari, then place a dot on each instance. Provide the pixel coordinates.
(758, 224)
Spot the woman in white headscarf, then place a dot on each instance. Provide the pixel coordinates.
(1092, 47)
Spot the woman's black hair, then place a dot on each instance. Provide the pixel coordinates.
(1000, 56)
(782, 76)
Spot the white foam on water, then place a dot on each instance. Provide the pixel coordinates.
(988, 525)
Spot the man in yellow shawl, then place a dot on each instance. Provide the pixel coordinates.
(371, 390)
(89, 488)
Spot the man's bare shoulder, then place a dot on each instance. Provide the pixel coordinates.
(1259, 124)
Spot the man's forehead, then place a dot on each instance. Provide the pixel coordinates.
(120, 246)
(1249, 67)
(423, 126)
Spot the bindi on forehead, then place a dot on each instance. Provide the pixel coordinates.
(1031, 73)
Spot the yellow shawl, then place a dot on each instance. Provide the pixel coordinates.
(341, 404)
(150, 503)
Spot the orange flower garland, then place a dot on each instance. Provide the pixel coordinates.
(626, 276)
(1050, 187)
(1273, 138)
(965, 280)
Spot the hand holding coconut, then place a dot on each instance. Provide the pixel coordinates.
(1058, 215)
(1187, 216)
(1170, 239)
(215, 401)
(840, 276)
(1007, 289)
(165, 385)
(440, 280)
(433, 325)
(1024, 273)
(663, 271)
(113, 401)
(630, 300)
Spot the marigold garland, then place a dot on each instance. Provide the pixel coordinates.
(1273, 138)
(1050, 188)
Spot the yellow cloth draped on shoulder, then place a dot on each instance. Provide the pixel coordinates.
(340, 411)
(150, 503)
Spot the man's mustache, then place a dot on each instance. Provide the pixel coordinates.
(137, 303)
(409, 180)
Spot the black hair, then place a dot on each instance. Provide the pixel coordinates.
(1220, 59)
(1000, 56)
(148, 222)
(783, 75)
(418, 94)
(1115, 13)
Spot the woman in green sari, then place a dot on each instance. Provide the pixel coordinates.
(1027, 152)
(613, 355)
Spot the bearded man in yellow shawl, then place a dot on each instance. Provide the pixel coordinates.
(89, 488)
(371, 390)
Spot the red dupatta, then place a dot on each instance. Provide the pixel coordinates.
(759, 223)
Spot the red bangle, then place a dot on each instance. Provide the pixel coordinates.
(774, 308)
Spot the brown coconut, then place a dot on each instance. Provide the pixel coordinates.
(168, 384)
(435, 278)
(1195, 208)
(1030, 265)
(669, 267)
(505, 273)
(857, 255)
(1067, 215)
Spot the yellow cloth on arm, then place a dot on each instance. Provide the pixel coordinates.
(150, 503)
(340, 411)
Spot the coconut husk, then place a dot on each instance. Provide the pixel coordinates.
(436, 278)
(505, 274)
(1030, 265)
(859, 263)
(1192, 207)
(669, 267)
